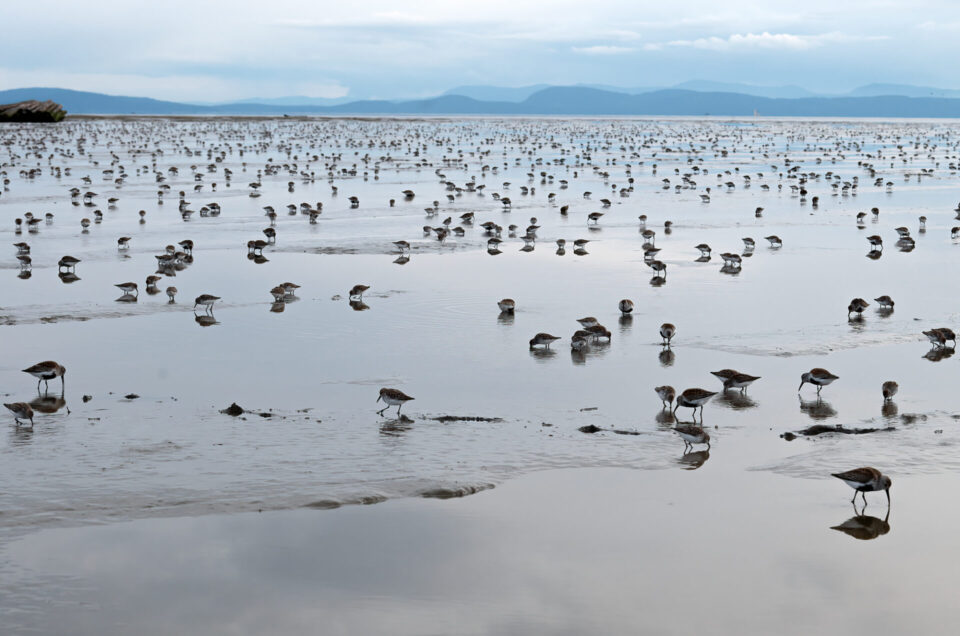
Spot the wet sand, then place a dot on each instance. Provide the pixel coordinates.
(556, 552)
(169, 465)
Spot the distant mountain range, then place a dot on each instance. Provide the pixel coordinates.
(695, 99)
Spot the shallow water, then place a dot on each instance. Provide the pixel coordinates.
(432, 327)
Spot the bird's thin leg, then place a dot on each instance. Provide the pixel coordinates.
(399, 406)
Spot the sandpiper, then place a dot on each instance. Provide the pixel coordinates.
(774, 240)
(739, 381)
(889, 389)
(666, 393)
(46, 371)
(172, 293)
(692, 435)
(625, 306)
(667, 331)
(123, 243)
(507, 305)
(542, 339)
(876, 242)
(724, 374)
(128, 288)
(864, 480)
(588, 322)
(856, 306)
(392, 397)
(205, 300)
(357, 291)
(68, 262)
(817, 377)
(704, 249)
(694, 398)
(21, 411)
(884, 301)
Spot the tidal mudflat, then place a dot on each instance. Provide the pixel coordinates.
(133, 473)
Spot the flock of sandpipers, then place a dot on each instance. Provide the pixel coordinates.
(634, 152)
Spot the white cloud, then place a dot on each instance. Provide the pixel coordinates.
(603, 50)
(765, 40)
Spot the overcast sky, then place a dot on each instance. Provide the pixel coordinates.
(204, 50)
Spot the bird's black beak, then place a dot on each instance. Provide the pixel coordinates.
(380, 396)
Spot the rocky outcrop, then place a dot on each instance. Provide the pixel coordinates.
(32, 110)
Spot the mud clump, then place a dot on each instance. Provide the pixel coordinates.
(822, 429)
(590, 428)
(234, 410)
(464, 418)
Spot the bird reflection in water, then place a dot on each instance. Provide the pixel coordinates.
(396, 427)
(259, 259)
(736, 400)
(864, 527)
(401, 260)
(731, 270)
(936, 354)
(703, 259)
(205, 320)
(278, 307)
(68, 277)
(694, 459)
(49, 404)
(890, 409)
(667, 357)
(626, 321)
(874, 255)
(665, 418)
(817, 409)
(126, 298)
(357, 304)
(658, 281)
(25, 274)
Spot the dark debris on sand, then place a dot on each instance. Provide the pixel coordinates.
(234, 410)
(463, 418)
(822, 429)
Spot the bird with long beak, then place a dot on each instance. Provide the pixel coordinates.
(864, 480)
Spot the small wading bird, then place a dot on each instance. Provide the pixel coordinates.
(864, 480)
(392, 397)
(21, 411)
(817, 377)
(692, 435)
(46, 371)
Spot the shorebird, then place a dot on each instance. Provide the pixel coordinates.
(21, 411)
(46, 371)
(68, 262)
(357, 291)
(667, 331)
(864, 480)
(666, 393)
(774, 240)
(403, 246)
(940, 336)
(626, 306)
(128, 288)
(692, 435)
(392, 397)
(856, 306)
(817, 377)
(542, 339)
(704, 249)
(889, 389)
(205, 300)
(594, 217)
(748, 243)
(884, 301)
(172, 293)
(694, 398)
(725, 374)
(588, 322)
(123, 243)
(507, 305)
(739, 381)
(875, 242)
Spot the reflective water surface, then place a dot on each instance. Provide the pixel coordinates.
(137, 432)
